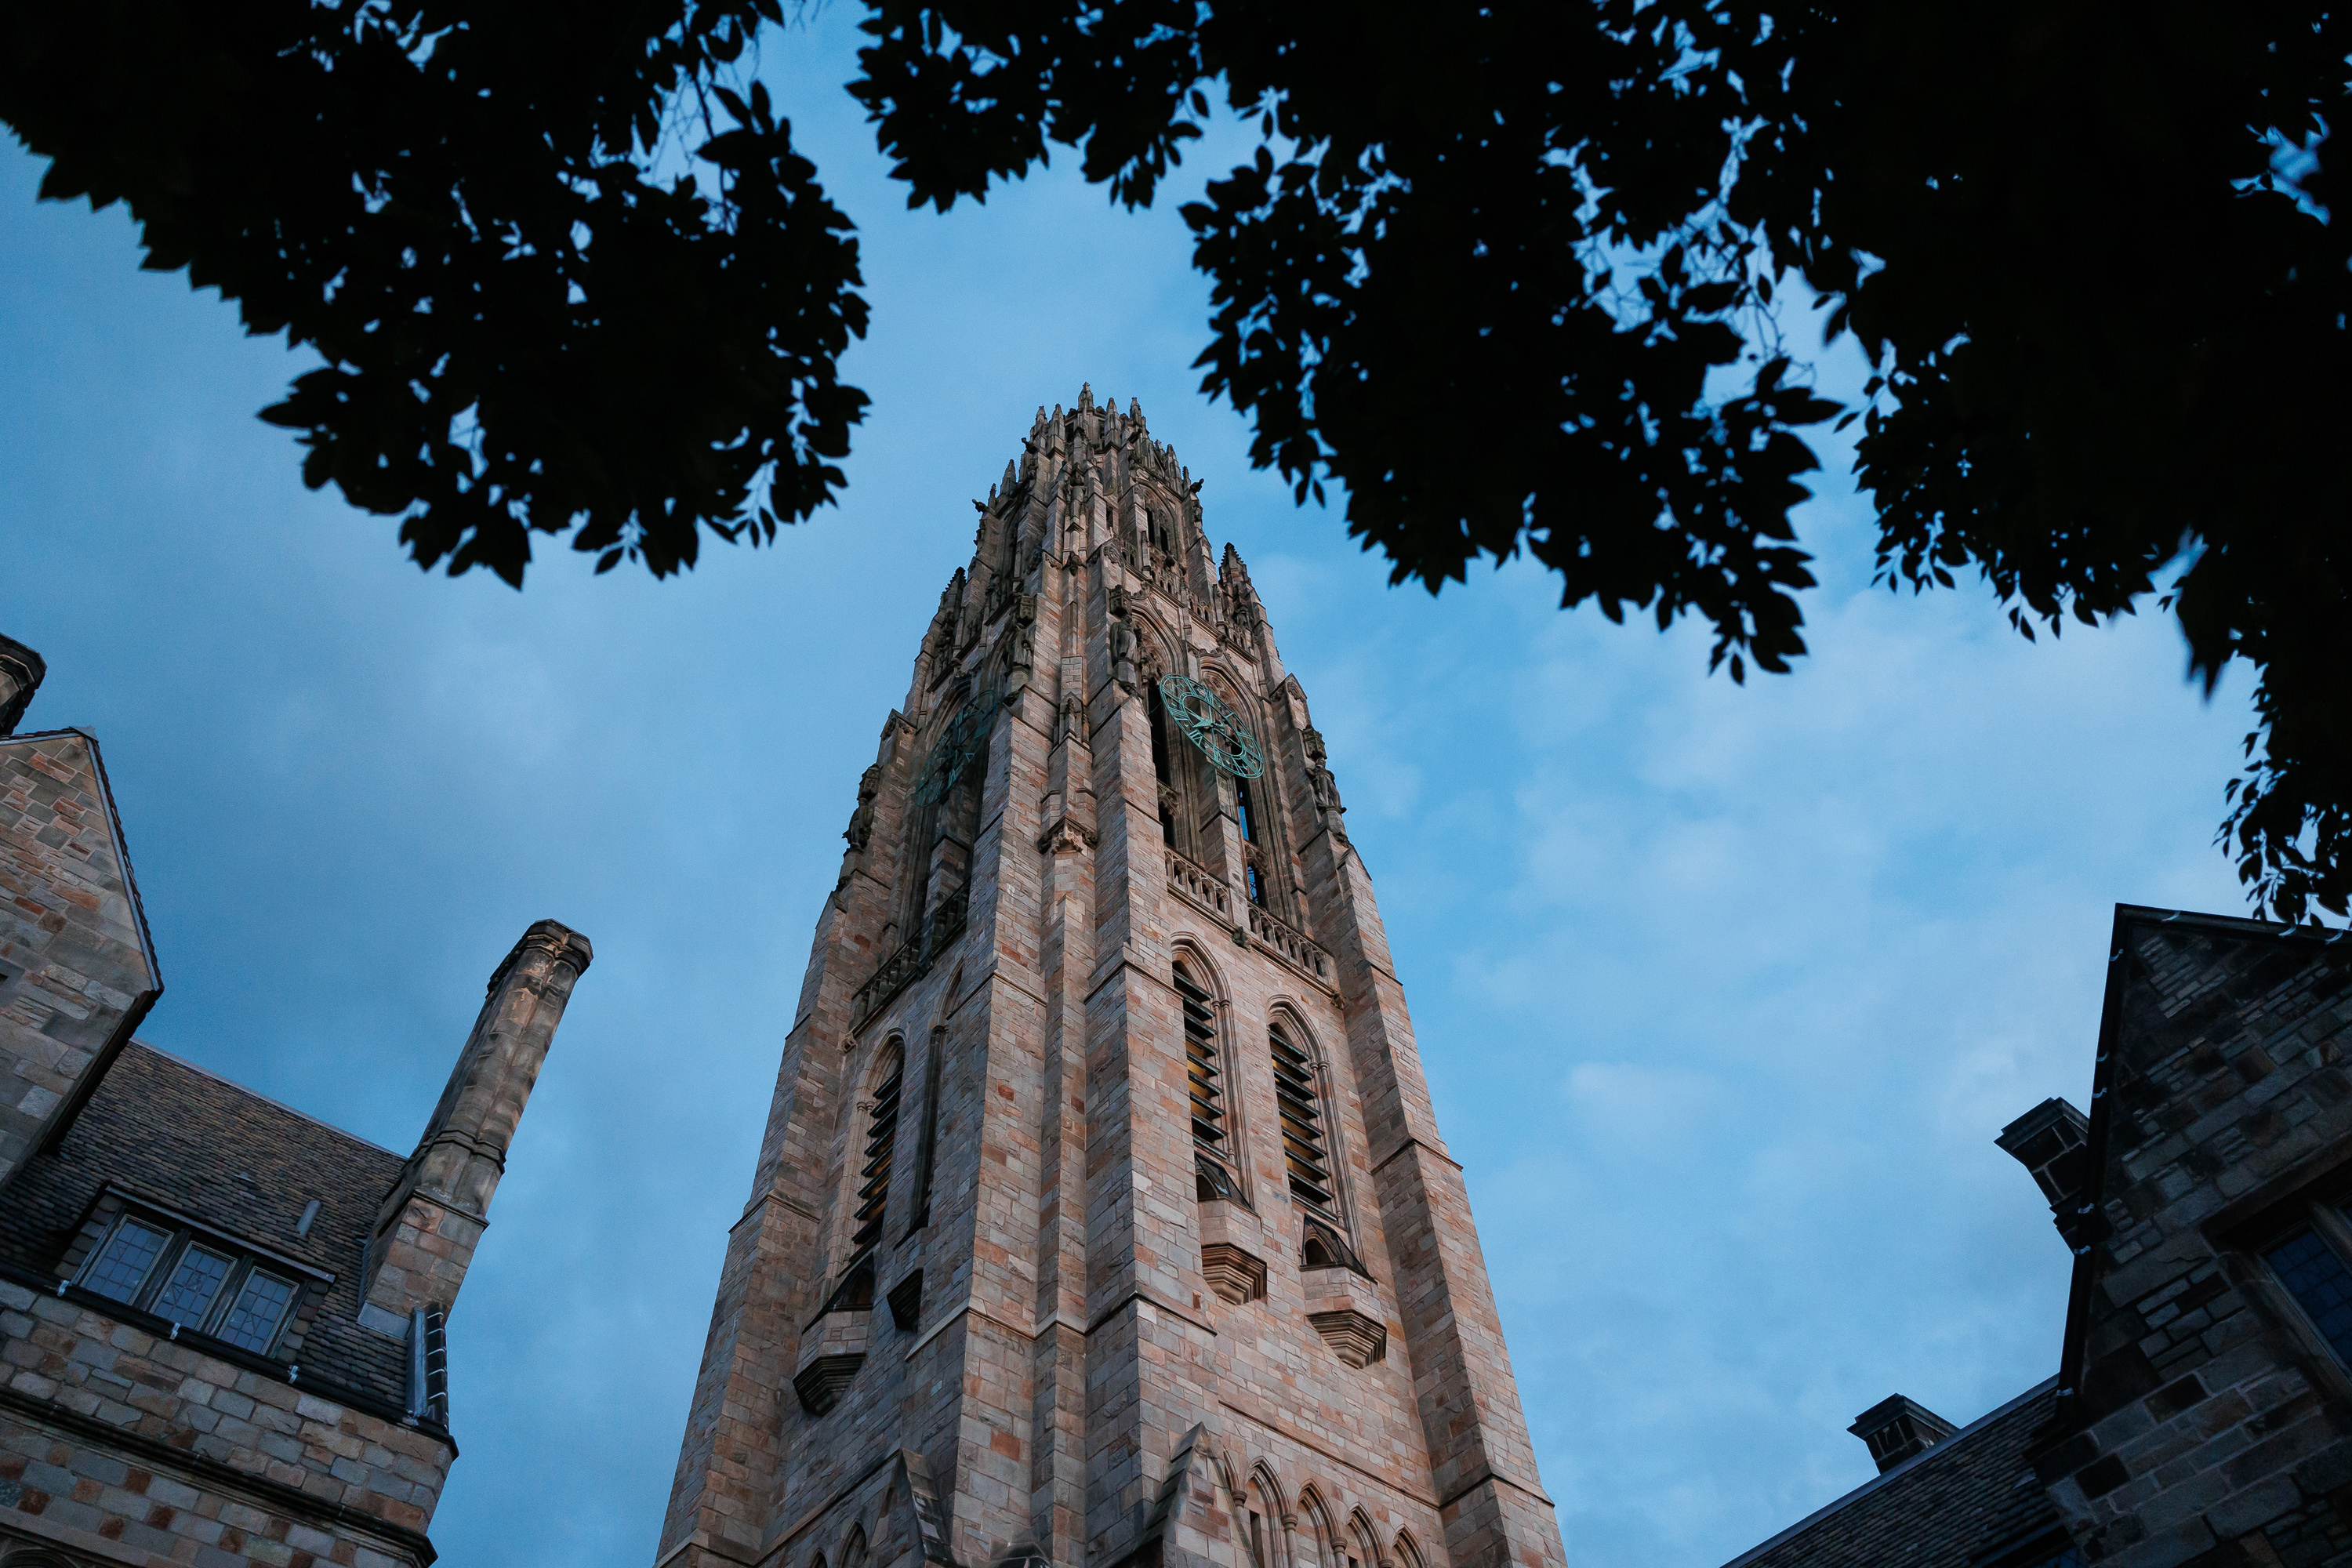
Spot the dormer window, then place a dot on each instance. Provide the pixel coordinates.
(194, 1283)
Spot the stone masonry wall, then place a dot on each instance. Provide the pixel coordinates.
(75, 970)
(2208, 1424)
(1068, 1374)
(128, 1447)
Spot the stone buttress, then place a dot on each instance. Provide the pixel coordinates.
(1101, 1217)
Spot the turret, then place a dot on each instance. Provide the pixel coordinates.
(425, 1233)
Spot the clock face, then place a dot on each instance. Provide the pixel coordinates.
(964, 742)
(1209, 724)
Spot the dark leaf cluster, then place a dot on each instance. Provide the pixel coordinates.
(525, 328)
(1508, 271)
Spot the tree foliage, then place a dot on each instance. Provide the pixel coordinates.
(525, 327)
(1508, 271)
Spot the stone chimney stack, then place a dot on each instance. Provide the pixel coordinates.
(21, 670)
(2049, 1140)
(1898, 1429)
(429, 1225)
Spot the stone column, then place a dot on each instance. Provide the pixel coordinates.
(434, 1217)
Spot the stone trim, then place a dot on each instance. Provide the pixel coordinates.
(1274, 1423)
(1413, 1141)
(277, 1495)
(221, 1349)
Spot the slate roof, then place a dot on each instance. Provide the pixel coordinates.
(1946, 1508)
(173, 1132)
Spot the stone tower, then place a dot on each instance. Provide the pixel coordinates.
(1101, 1217)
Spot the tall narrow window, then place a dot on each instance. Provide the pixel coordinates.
(1297, 1096)
(881, 1139)
(927, 1151)
(2320, 1284)
(1253, 882)
(1201, 1063)
(1163, 765)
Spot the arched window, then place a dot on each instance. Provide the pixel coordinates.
(1201, 1062)
(1163, 766)
(1212, 1150)
(1299, 1099)
(881, 1141)
(1251, 878)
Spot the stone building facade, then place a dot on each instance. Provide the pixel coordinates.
(221, 1322)
(2201, 1412)
(1101, 1217)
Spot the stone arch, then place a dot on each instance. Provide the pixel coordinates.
(853, 1553)
(1269, 1481)
(1408, 1551)
(1322, 1531)
(1366, 1536)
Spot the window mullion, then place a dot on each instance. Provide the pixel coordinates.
(2333, 1228)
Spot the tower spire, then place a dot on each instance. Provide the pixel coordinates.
(1102, 1219)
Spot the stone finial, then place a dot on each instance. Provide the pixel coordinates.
(21, 672)
(433, 1217)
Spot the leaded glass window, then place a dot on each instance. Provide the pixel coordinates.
(195, 1282)
(193, 1278)
(252, 1322)
(2315, 1277)
(123, 1265)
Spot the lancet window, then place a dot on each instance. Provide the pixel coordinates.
(1204, 1073)
(881, 1143)
(1299, 1097)
(1252, 879)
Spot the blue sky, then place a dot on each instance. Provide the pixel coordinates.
(1723, 992)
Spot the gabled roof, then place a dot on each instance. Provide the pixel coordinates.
(2280, 949)
(166, 1130)
(1944, 1508)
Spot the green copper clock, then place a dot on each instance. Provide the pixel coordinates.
(964, 742)
(1213, 726)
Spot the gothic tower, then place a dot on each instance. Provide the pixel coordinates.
(1101, 1217)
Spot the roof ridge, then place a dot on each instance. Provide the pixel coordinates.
(1872, 1485)
(265, 1100)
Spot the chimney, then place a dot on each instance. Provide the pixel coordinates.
(434, 1217)
(2049, 1142)
(21, 670)
(1898, 1429)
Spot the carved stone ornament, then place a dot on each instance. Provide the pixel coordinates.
(1065, 835)
(831, 1350)
(1232, 1274)
(1358, 1341)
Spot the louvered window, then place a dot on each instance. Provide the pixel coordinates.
(1303, 1146)
(1201, 1064)
(881, 1139)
